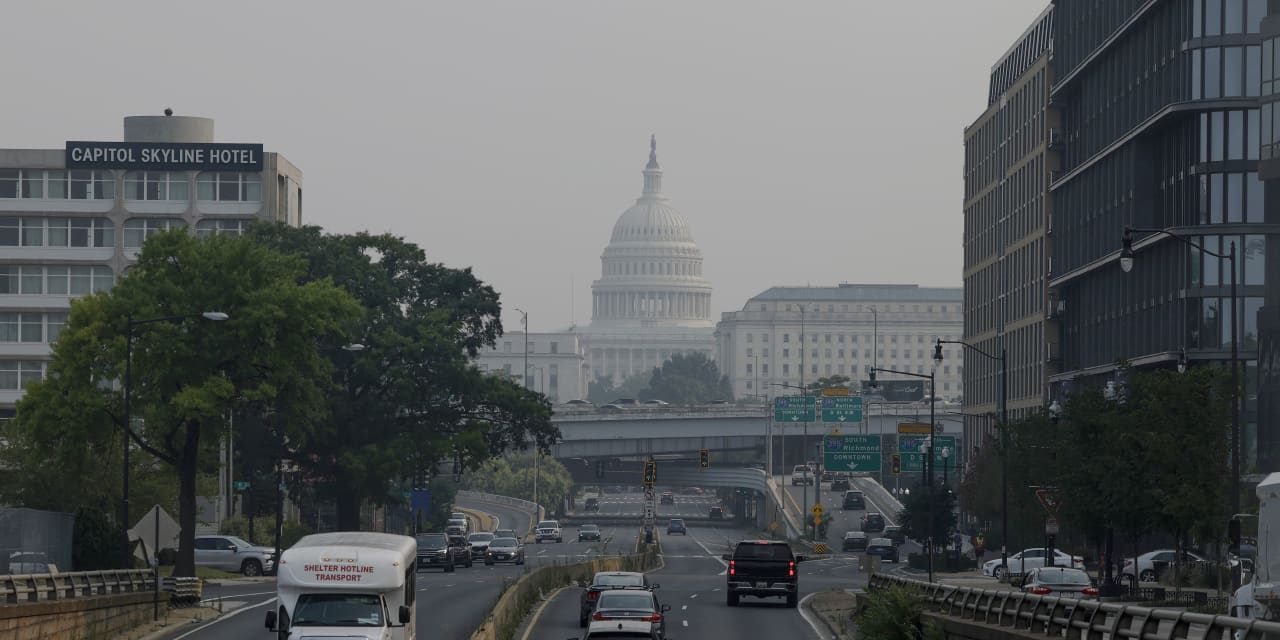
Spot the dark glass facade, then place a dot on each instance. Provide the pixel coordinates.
(1161, 128)
(1006, 174)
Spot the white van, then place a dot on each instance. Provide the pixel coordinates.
(345, 585)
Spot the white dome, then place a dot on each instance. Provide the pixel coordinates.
(652, 220)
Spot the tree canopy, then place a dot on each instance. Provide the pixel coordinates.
(689, 378)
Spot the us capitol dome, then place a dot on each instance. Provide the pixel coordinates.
(651, 300)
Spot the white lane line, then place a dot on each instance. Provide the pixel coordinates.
(808, 617)
(694, 595)
(224, 618)
(684, 607)
(684, 622)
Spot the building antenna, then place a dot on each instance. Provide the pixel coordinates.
(573, 314)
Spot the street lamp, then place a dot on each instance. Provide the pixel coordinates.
(946, 453)
(1182, 361)
(1003, 358)
(130, 323)
(524, 381)
(933, 430)
(1126, 265)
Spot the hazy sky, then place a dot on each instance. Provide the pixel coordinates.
(806, 141)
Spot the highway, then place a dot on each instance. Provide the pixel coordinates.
(841, 520)
(631, 504)
(450, 605)
(692, 582)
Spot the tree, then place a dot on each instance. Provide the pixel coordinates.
(603, 390)
(188, 373)
(915, 513)
(512, 476)
(413, 396)
(690, 378)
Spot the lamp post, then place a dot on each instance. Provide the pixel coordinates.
(933, 430)
(524, 381)
(1126, 265)
(1003, 358)
(130, 323)
(946, 455)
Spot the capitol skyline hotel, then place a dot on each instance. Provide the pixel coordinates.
(73, 219)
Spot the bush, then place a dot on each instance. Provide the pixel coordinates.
(893, 613)
(97, 543)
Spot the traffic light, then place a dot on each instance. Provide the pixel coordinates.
(599, 469)
(704, 458)
(895, 464)
(650, 473)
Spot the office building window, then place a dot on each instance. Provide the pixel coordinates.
(750, 368)
(56, 232)
(137, 230)
(764, 368)
(764, 337)
(156, 185)
(17, 374)
(57, 185)
(229, 186)
(813, 368)
(764, 353)
(209, 227)
(786, 337)
(749, 354)
(786, 369)
(555, 347)
(786, 353)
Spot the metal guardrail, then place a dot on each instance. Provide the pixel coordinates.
(523, 505)
(1055, 616)
(35, 587)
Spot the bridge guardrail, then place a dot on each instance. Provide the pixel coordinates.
(34, 587)
(524, 505)
(1056, 616)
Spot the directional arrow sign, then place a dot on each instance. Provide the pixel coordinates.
(912, 457)
(794, 409)
(851, 453)
(842, 409)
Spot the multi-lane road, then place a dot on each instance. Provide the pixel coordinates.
(631, 504)
(841, 520)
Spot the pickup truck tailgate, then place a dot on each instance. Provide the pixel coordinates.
(760, 569)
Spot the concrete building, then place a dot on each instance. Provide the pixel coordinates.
(790, 335)
(1009, 155)
(73, 219)
(557, 363)
(1159, 105)
(651, 301)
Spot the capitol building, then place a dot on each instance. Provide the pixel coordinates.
(650, 303)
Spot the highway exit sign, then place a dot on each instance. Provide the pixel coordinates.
(912, 456)
(842, 409)
(851, 453)
(794, 409)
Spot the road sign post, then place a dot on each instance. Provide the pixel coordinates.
(794, 409)
(842, 409)
(851, 453)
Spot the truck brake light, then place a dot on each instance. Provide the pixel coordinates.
(657, 617)
(592, 595)
(791, 569)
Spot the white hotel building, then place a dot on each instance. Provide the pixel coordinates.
(789, 335)
(72, 220)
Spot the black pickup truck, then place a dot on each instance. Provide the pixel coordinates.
(761, 568)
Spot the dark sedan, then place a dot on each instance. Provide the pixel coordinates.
(504, 550)
(434, 551)
(676, 525)
(883, 547)
(605, 581)
(589, 532)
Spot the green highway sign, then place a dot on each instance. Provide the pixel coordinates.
(241, 485)
(851, 453)
(794, 409)
(913, 459)
(842, 409)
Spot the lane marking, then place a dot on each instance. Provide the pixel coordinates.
(222, 618)
(684, 607)
(537, 613)
(685, 622)
(813, 624)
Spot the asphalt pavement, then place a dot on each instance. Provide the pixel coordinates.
(450, 605)
(692, 582)
(840, 519)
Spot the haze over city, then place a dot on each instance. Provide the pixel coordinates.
(812, 142)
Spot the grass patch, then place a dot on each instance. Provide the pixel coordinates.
(205, 573)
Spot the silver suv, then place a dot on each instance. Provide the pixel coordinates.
(229, 553)
(548, 530)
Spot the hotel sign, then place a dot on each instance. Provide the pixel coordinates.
(164, 156)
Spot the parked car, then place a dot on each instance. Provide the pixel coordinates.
(579, 403)
(883, 547)
(619, 606)
(1059, 581)
(840, 484)
(548, 530)
(854, 541)
(716, 513)
(667, 498)
(854, 500)
(591, 504)
(610, 408)
(229, 553)
(478, 543)
(872, 522)
(434, 551)
(588, 532)
(895, 534)
(605, 581)
(676, 525)
(504, 550)
(1151, 562)
(1028, 559)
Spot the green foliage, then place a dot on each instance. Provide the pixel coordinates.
(691, 378)
(512, 475)
(442, 495)
(893, 613)
(915, 513)
(602, 390)
(188, 373)
(97, 542)
(414, 387)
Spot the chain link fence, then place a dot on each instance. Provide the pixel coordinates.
(33, 541)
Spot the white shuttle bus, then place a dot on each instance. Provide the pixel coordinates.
(346, 585)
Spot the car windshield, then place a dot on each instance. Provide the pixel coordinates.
(763, 551)
(548, 524)
(619, 634)
(1062, 576)
(433, 541)
(626, 601)
(881, 542)
(239, 542)
(503, 542)
(855, 534)
(480, 537)
(677, 521)
(588, 527)
(504, 533)
(614, 580)
(338, 610)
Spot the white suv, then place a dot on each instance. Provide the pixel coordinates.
(548, 530)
